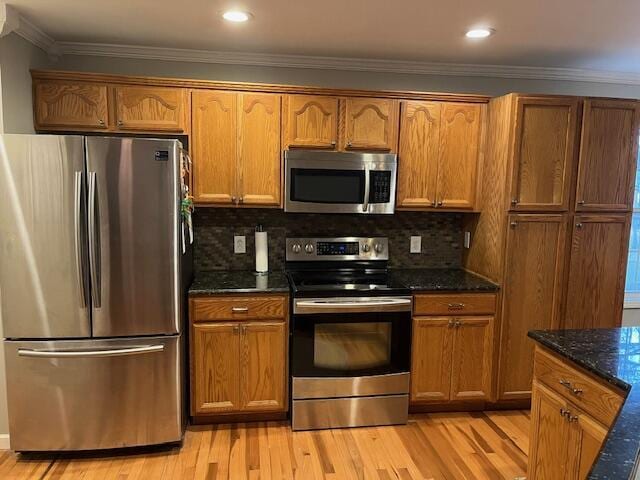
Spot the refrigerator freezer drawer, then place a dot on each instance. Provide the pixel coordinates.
(94, 394)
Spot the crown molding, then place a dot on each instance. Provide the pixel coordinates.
(12, 21)
(348, 64)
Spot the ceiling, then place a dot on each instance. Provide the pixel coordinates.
(583, 34)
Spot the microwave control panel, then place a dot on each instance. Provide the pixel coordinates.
(380, 186)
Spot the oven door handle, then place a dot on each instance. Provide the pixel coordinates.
(337, 305)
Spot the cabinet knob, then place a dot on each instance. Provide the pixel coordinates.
(233, 199)
(440, 203)
(514, 224)
(450, 324)
(333, 143)
(514, 201)
(457, 324)
(101, 122)
(433, 204)
(241, 199)
(349, 144)
(120, 123)
(578, 225)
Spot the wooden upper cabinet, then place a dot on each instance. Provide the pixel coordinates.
(461, 130)
(432, 347)
(310, 121)
(471, 370)
(370, 124)
(543, 158)
(214, 144)
(608, 153)
(263, 366)
(534, 279)
(550, 436)
(215, 376)
(418, 153)
(598, 262)
(150, 108)
(259, 148)
(75, 106)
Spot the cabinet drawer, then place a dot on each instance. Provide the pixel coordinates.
(237, 308)
(596, 399)
(455, 304)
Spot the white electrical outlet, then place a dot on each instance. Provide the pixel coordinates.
(416, 244)
(239, 244)
(467, 239)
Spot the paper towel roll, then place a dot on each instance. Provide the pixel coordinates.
(262, 252)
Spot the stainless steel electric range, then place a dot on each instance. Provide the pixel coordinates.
(350, 334)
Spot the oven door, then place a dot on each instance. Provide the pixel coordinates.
(351, 337)
(332, 182)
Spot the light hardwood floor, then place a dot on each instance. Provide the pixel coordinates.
(483, 446)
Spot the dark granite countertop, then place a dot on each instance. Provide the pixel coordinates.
(442, 279)
(217, 282)
(613, 355)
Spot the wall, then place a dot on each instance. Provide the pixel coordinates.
(215, 227)
(17, 56)
(340, 79)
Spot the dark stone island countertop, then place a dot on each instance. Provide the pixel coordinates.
(224, 281)
(441, 279)
(613, 355)
(419, 279)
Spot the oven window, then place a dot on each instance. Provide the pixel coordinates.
(352, 346)
(327, 186)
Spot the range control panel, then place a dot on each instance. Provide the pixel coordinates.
(337, 248)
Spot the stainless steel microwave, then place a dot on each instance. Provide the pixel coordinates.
(336, 182)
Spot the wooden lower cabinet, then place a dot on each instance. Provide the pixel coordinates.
(238, 367)
(238, 350)
(567, 429)
(451, 359)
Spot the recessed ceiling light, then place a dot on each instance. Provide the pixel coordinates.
(236, 16)
(480, 32)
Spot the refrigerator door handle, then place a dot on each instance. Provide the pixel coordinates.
(110, 352)
(94, 244)
(79, 238)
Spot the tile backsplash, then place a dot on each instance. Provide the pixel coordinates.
(215, 227)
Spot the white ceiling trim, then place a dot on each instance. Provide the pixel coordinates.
(12, 21)
(350, 64)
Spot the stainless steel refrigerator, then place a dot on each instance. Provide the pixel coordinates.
(92, 291)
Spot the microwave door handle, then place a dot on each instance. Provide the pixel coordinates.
(367, 186)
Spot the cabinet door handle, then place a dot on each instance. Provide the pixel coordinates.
(433, 204)
(233, 199)
(514, 224)
(450, 324)
(578, 225)
(101, 122)
(120, 123)
(349, 144)
(440, 203)
(514, 201)
(577, 391)
(333, 143)
(580, 202)
(565, 383)
(239, 309)
(241, 198)
(236, 330)
(455, 306)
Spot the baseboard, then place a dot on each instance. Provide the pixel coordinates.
(4, 441)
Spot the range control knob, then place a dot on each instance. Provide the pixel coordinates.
(378, 247)
(366, 247)
(296, 247)
(308, 248)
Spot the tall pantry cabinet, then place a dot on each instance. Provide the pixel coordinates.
(554, 227)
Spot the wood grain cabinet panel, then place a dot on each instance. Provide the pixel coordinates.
(263, 366)
(459, 154)
(534, 279)
(310, 121)
(149, 108)
(214, 146)
(370, 124)
(550, 436)
(432, 347)
(543, 159)
(587, 437)
(472, 357)
(454, 303)
(597, 269)
(77, 106)
(259, 149)
(215, 373)
(225, 308)
(418, 154)
(608, 154)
